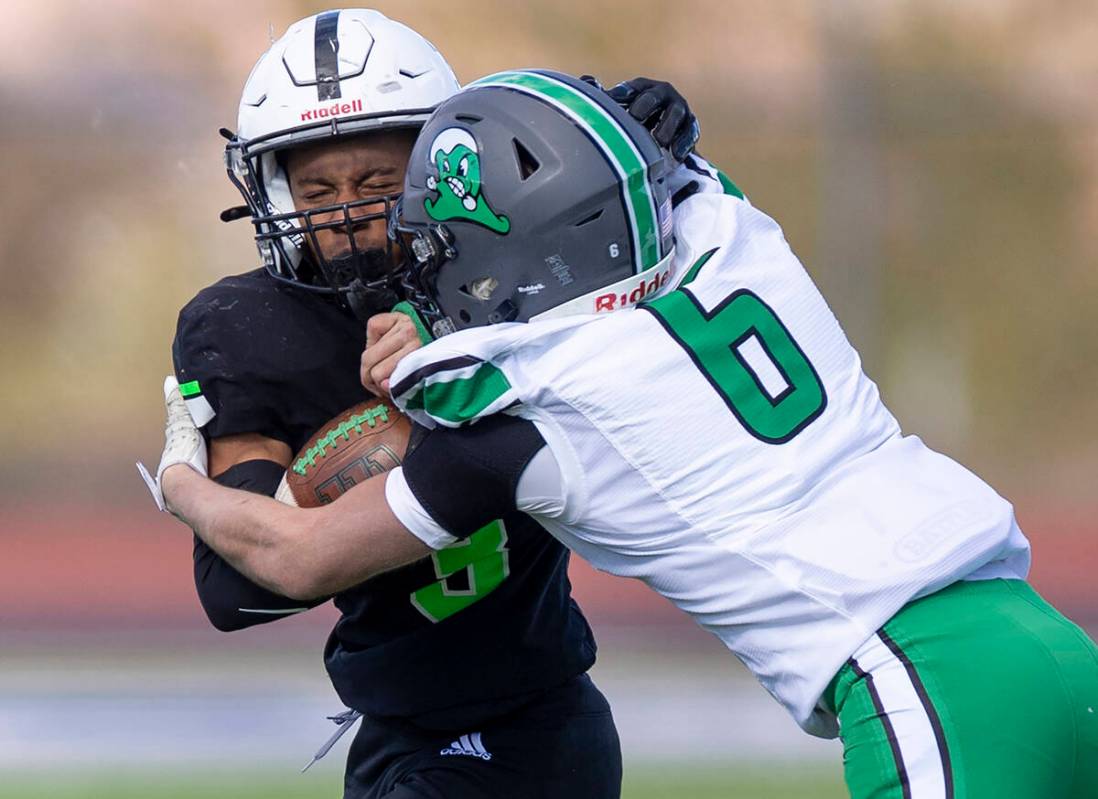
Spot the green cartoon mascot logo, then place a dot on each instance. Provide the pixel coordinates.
(454, 154)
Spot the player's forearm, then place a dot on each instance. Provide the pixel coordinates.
(260, 537)
(299, 553)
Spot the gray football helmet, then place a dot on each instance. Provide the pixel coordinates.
(532, 194)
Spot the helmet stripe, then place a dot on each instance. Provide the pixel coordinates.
(615, 143)
(326, 55)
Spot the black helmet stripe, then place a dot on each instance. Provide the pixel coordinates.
(326, 48)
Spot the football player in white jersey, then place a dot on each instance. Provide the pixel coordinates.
(670, 396)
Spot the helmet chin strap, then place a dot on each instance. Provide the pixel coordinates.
(360, 279)
(365, 302)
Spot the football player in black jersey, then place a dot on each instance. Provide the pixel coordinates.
(471, 687)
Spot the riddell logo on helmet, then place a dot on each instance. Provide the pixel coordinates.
(614, 301)
(332, 111)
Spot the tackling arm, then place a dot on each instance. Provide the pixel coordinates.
(299, 553)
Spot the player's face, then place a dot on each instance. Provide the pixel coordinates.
(348, 171)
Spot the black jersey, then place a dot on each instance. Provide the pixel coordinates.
(467, 634)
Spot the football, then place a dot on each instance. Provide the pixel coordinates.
(366, 439)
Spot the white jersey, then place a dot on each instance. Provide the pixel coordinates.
(722, 444)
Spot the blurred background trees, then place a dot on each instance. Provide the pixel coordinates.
(933, 163)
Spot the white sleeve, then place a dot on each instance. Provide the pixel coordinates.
(412, 514)
(540, 489)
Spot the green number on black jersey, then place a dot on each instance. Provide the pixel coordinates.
(468, 571)
(723, 342)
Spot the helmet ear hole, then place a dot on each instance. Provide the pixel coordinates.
(481, 288)
(527, 163)
(464, 316)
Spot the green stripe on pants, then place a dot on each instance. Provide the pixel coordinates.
(1013, 682)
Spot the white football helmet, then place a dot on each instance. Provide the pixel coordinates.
(337, 73)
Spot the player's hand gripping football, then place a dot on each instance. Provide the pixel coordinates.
(389, 337)
(183, 442)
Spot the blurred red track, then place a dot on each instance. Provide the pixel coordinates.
(93, 568)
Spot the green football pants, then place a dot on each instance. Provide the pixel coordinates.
(980, 691)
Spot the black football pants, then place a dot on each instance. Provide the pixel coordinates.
(562, 745)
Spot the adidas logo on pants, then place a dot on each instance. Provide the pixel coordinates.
(468, 745)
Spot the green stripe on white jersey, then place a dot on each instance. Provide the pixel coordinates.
(457, 396)
(615, 144)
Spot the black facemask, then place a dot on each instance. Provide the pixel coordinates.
(364, 280)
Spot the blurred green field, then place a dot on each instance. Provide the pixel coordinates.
(650, 782)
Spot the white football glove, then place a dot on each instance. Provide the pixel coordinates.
(183, 442)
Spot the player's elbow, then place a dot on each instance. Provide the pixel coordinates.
(218, 610)
(225, 620)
